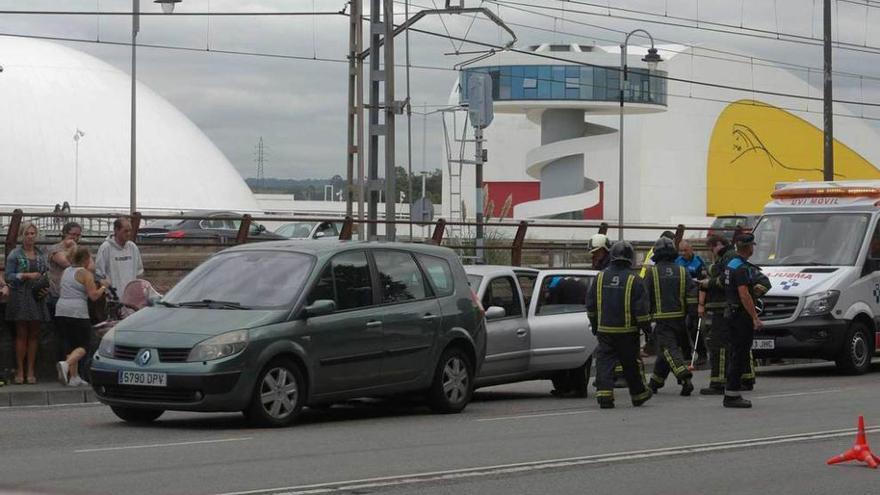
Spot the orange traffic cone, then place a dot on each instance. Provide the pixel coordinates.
(860, 451)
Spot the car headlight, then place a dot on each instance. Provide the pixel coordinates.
(106, 348)
(821, 303)
(220, 346)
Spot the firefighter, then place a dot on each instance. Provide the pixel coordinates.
(712, 302)
(673, 295)
(599, 252)
(648, 349)
(617, 307)
(743, 285)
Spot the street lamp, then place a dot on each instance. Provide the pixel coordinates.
(167, 7)
(76, 137)
(652, 58)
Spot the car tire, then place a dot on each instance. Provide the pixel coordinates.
(453, 384)
(573, 382)
(135, 415)
(279, 394)
(855, 357)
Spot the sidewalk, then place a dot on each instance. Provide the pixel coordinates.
(46, 393)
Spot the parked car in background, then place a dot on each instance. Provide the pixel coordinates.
(537, 326)
(217, 226)
(725, 225)
(310, 230)
(267, 328)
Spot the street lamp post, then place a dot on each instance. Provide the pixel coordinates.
(167, 7)
(76, 137)
(652, 58)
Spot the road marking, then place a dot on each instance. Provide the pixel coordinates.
(525, 416)
(476, 472)
(159, 445)
(798, 394)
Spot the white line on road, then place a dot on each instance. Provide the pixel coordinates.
(158, 445)
(526, 416)
(798, 394)
(410, 479)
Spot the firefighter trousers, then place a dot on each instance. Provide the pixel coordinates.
(717, 342)
(670, 337)
(622, 347)
(741, 333)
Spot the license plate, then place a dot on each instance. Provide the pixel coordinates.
(764, 344)
(143, 378)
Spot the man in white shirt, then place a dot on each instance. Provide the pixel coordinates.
(119, 259)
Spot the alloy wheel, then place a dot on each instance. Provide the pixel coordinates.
(279, 393)
(456, 380)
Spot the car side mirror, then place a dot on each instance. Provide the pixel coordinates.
(320, 307)
(495, 312)
(319, 235)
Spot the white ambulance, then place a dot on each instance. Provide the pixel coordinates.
(819, 243)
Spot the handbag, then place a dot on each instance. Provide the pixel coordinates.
(40, 288)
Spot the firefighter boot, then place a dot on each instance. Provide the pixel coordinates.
(737, 402)
(712, 391)
(642, 398)
(687, 387)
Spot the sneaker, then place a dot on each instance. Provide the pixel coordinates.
(737, 402)
(83, 383)
(74, 382)
(62, 368)
(686, 388)
(712, 391)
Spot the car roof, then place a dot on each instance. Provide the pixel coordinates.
(330, 247)
(490, 270)
(563, 271)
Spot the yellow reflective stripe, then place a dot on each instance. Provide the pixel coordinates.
(643, 272)
(681, 285)
(600, 288)
(669, 316)
(618, 329)
(627, 307)
(643, 395)
(715, 305)
(605, 393)
(643, 319)
(657, 379)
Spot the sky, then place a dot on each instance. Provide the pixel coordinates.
(298, 106)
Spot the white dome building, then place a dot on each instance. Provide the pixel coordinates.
(49, 91)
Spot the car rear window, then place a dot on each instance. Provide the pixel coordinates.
(439, 272)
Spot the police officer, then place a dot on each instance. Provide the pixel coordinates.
(743, 284)
(673, 295)
(617, 306)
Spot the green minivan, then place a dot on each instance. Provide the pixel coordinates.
(271, 327)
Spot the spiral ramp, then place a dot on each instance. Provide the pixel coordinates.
(559, 165)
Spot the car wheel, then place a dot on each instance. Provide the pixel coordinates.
(453, 383)
(134, 415)
(855, 357)
(580, 378)
(278, 395)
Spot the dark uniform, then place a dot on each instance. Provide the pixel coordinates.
(738, 273)
(673, 294)
(617, 306)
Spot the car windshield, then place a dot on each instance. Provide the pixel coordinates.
(299, 230)
(809, 239)
(248, 279)
(474, 281)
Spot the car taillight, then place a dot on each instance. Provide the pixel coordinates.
(477, 303)
(175, 234)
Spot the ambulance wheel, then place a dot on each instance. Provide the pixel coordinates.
(855, 357)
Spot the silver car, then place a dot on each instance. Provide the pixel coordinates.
(537, 326)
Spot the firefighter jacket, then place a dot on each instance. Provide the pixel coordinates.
(715, 298)
(617, 302)
(672, 292)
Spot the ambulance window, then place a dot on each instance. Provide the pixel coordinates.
(874, 248)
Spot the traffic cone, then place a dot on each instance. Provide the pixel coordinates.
(859, 452)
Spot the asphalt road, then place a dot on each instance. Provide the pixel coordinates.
(511, 439)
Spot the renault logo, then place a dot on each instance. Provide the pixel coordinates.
(144, 357)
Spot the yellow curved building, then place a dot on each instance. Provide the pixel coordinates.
(754, 145)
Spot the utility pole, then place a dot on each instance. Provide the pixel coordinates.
(135, 27)
(261, 161)
(828, 148)
(355, 150)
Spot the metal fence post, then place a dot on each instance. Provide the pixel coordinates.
(12, 232)
(679, 235)
(518, 241)
(136, 218)
(244, 229)
(347, 228)
(439, 229)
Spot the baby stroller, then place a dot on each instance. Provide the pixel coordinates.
(135, 296)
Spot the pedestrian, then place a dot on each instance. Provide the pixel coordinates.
(59, 259)
(743, 284)
(673, 295)
(119, 260)
(4, 298)
(72, 316)
(696, 268)
(617, 307)
(26, 275)
(711, 311)
(599, 252)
